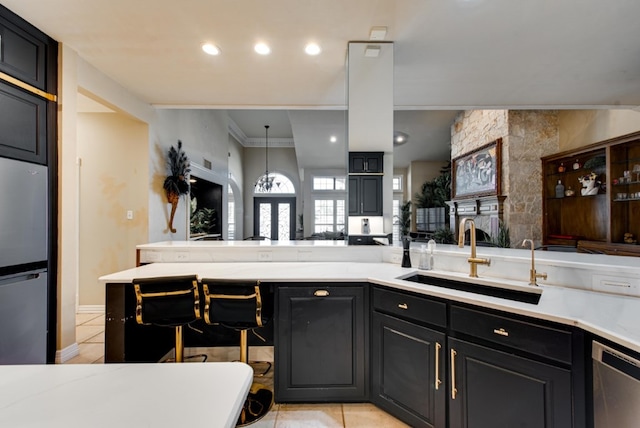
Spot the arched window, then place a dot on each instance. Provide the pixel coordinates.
(274, 183)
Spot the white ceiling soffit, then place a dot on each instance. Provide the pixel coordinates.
(312, 130)
(88, 105)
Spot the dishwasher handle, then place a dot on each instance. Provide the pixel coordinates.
(616, 360)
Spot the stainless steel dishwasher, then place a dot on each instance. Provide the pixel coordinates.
(616, 388)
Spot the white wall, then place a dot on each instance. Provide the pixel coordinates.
(579, 128)
(114, 167)
(204, 135)
(236, 181)
(77, 75)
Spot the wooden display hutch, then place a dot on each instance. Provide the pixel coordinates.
(594, 223)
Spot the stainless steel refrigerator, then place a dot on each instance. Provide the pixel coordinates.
(23, 262)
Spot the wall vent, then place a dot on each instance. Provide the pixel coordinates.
(207, 163)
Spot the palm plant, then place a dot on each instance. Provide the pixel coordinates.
(177, 182)
(404, 218)
(503, 239)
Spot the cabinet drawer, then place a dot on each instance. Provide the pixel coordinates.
(536, 339)
(410, 307)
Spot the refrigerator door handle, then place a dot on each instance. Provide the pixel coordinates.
(19, 278)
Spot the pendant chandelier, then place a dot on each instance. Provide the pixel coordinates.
(266, 182)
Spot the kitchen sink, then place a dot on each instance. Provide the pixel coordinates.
(481, 286)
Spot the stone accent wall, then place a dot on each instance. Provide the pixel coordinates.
(526, 137)
(532, 135)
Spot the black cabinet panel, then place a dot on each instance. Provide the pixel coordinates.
(490, 388)
(23, 125)
(320, 350)
(125, 340)
(23, 50)
(366, 162)
(407, 361)
(365, 195)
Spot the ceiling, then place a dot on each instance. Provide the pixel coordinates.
(449, 55)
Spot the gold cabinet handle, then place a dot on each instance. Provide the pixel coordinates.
(501, 332)
(321, 293)
(403, 306)
(438, 381)
(454, 390)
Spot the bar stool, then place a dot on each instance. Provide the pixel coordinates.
(171, 301)
(241, 305)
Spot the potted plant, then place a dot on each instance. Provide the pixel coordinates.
(177, 182)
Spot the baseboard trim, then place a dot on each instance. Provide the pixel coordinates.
(91, 309)
(64, 355)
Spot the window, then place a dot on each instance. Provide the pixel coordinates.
(395, 209)
(329, 215)
(329, 195)
(329, 183)
(279, 184)
(397, 183)
(231, 209)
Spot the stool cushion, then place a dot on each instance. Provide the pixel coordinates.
(235, 304)
(167, 301)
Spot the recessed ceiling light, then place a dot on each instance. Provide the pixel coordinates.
(312, 49)
(333, 139)
(400, 138)
(262, 49)
(210, 48)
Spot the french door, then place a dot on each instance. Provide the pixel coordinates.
(274, 218)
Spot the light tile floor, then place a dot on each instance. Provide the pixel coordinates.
(90, 337)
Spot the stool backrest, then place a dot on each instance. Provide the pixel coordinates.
(167, 301)
(233, 303)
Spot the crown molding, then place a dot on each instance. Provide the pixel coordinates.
(245, 141)
(236, 132)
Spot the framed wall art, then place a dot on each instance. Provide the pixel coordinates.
(477, 173)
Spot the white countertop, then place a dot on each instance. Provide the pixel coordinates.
(123, 395)
(614, 317)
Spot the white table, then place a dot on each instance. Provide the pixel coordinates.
(123, 395)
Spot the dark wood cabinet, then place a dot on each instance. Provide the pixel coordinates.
(408, 371)
(321, 343)
(366, 163)
(28, 82)
(437, 363)
(490, 388)
(23, 125)
(365, 195)
(594, 221)
(24, 50)
(408, 357)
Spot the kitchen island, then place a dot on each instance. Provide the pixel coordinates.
(537, 352)
(123, 395)
(614, 317)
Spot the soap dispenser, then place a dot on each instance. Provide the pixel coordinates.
(406, 256)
